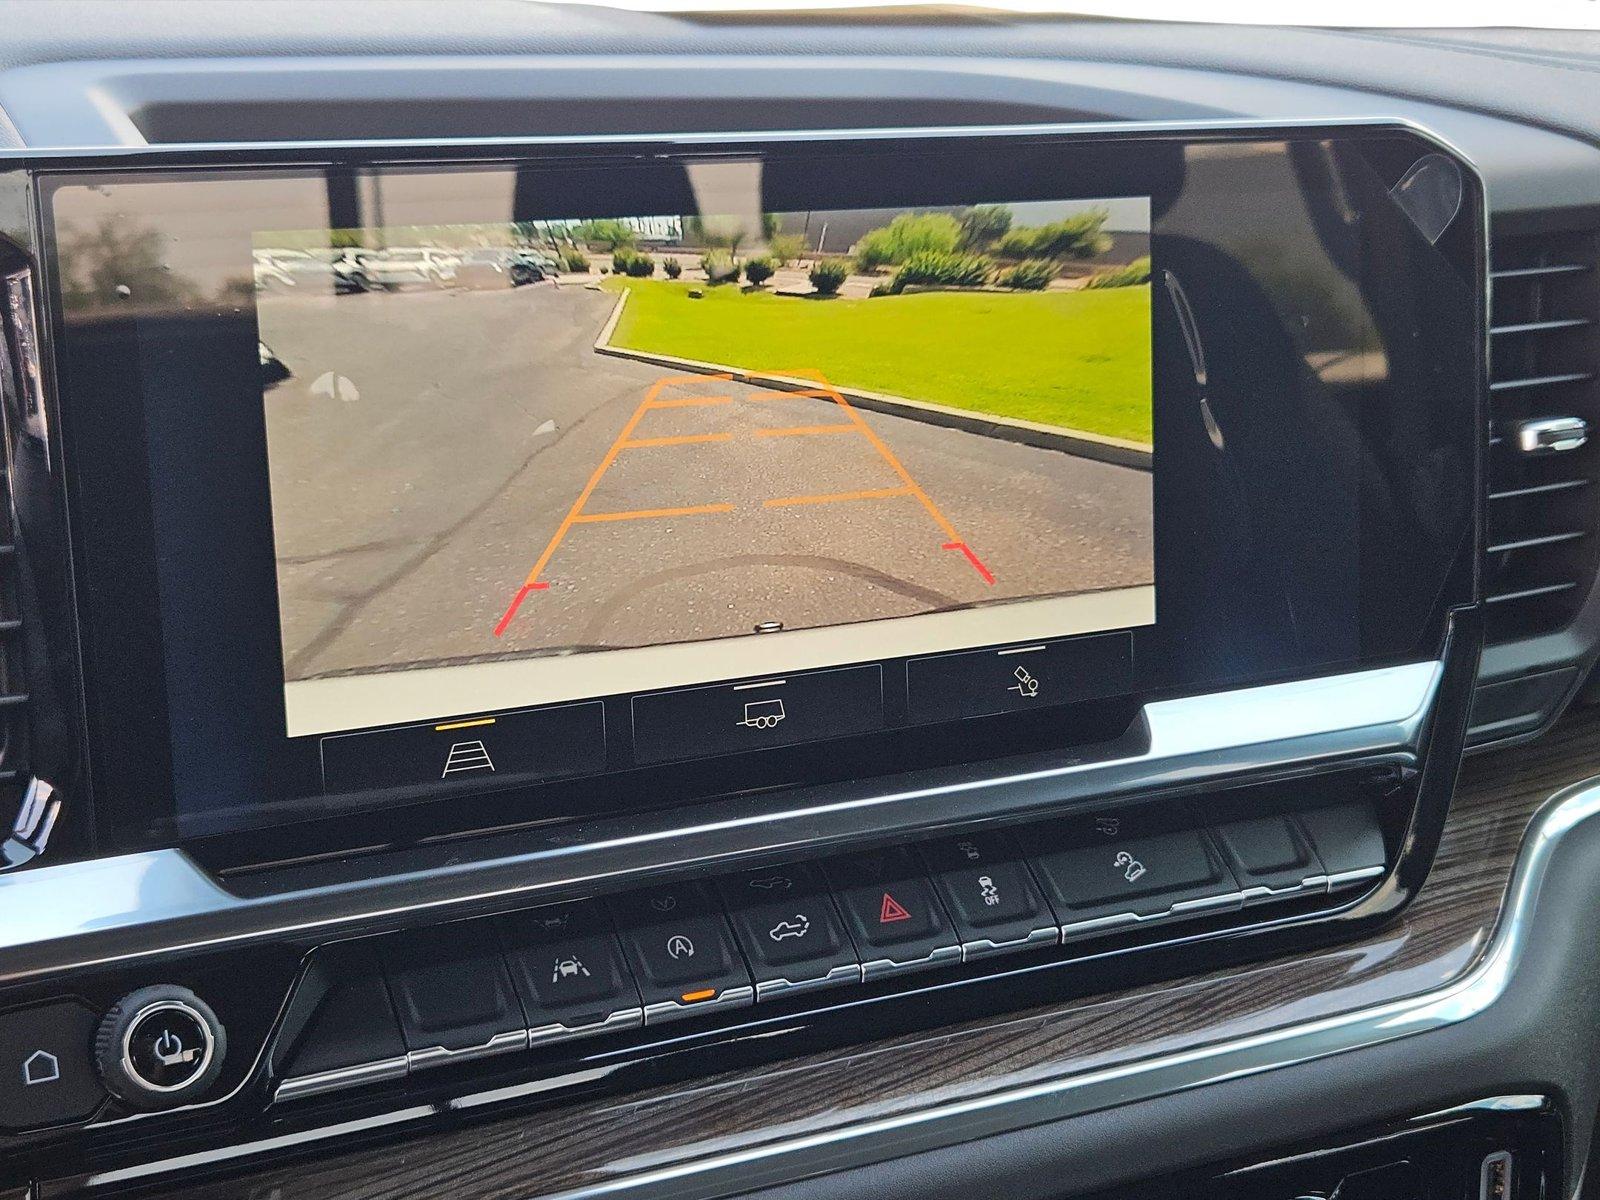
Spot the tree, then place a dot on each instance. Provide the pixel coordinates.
(983, 225)
(907, 234)
(118, 255)
(715, 233)
(609, 233)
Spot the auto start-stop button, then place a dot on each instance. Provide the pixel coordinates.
(160, 1047)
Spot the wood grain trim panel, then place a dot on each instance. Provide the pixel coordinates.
(600, 1140)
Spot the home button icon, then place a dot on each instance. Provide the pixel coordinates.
(40, 1067)
(47, 1075)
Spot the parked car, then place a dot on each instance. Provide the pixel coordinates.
(531, 266)
(309, 269)
(398, 267)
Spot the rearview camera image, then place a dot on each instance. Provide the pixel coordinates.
(521, 463)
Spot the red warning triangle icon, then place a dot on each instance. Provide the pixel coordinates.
(892, 911)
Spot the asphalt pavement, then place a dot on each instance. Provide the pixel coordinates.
(429, 449)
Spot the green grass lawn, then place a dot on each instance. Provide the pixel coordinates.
(1075, 359)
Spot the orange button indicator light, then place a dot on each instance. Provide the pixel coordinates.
(702, 994)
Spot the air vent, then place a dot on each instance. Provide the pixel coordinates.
(1544, 458)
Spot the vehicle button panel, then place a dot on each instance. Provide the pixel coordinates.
(1124, 881)
(452, 993)
(892, 913)
(1270, 857)
(990, 894)
(789, 929)
(681, 952)
(569, 971)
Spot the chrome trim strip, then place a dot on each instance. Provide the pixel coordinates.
(672, 1010)
(880, 968)
(623, 1018)
(949, 1124)
(775, 989)
(1121, 130)
(438, 1056)
(177, 906)
(1049, 935)
(1226, 901)
(299, 1086)
(1346, 878)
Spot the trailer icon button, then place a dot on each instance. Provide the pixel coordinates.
(763, 714)
(756, 715)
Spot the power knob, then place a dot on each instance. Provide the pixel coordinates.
(160, 1047)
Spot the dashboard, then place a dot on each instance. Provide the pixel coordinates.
(602, 604)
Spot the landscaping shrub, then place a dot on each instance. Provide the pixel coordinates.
(829, 275)
(575, 260)
(626, 261)
(1082, 236)
(983, 225)
(719, 266)
(673, 268)
(1136, 272)
(933, 268)
(906, 235)
(784, 248)
(758, 270)
(610, 234)
(1030, 275)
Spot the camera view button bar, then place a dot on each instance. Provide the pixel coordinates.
(757, 715)
(532, 744)
(981, 683)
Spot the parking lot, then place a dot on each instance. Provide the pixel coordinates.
(457, 476)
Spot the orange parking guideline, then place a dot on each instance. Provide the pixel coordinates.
(681, 440)
(956, 541)
(802, 430)
(830, 497)
(625, 441)
(531, 583)
(815, 393)
(693, 402)
(637, 514)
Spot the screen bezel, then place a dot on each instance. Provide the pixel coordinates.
(142, 813)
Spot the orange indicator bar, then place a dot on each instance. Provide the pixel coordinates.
(702, 994)
(464, 724)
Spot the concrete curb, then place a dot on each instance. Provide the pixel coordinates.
(1116, 451)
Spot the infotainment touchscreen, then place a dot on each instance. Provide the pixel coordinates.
(519, 463)
(520, 483)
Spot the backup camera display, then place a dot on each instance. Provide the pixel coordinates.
(523, 463)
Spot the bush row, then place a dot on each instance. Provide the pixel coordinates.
(1138, 271)
(630, 262)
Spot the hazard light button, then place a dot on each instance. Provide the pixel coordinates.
(896, 919)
